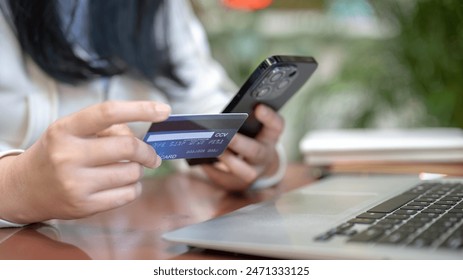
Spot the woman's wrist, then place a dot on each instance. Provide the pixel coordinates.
(277, 176)
(6, 159)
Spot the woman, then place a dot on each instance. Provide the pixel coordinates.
(80, 81)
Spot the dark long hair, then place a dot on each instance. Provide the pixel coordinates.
(121, 33)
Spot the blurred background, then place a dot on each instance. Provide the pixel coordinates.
(382, 64)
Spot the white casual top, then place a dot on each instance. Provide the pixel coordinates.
(30, 100)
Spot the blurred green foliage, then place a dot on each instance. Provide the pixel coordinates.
(429, 51)
(421, 60)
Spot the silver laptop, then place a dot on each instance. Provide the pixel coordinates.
(344, 217)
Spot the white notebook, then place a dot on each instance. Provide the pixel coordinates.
(430, 145)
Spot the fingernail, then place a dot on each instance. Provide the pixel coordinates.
(158, 162)
(264, 110)
(162, 107)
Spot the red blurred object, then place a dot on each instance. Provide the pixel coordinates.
(247, 4)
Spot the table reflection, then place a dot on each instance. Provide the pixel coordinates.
(37, 242)
(135, 230)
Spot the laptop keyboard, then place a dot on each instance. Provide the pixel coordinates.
(428, 215)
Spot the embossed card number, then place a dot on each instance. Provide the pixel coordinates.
(194, 136)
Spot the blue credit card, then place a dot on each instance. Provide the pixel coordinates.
(194, 136)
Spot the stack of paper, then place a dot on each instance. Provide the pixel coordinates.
(429, 145)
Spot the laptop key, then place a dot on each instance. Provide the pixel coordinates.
(344, 226)
(425, 199)
(405, 212)
(442, 206)
(459, 206)
(384, 225)
(455, 240)
(422, 241)
(362, 221)
(414, 208)
(416, 223)
(443, 223)
(433, 210)
(418, 203)
(452, 198)
(371, 215)
(398, 216)
(408, 228)
(392, 204)
(394, 237)
(393, 221)
(367, 235)
(452, 217)
(456, 210)
(420, 189)
(427, 216)
(444, 202)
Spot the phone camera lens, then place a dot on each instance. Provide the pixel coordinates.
(262, 92)
(284, 83)
(276, 75)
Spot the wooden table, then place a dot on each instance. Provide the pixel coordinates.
(134, 231)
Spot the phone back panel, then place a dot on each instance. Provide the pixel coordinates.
(273, 83)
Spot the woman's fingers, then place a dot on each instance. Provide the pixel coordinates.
(113, 198)
(116, 129)
(107, 150)
(97, 189)
(239, 167)
(110, 176)
(232, 173)
(273, 125)
(224, 179)
(97, 118)
(258, 150)
(248, 148)
(246, 159)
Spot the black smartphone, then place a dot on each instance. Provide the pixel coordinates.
(273, 83)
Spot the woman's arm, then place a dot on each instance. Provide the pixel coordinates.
(83, 164)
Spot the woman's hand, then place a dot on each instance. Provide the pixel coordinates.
(247, 159)
(85, 163)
